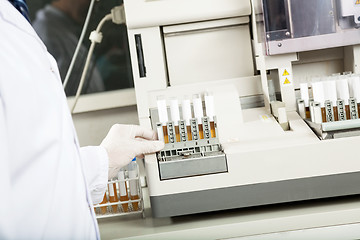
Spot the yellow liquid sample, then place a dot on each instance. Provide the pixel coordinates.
(166, 136)
(188, 129)
(336, 114)
(114, 199)
(307, 112)
(201, 131)
(177, 133)
(323, 114)
(103, 209)
(135, 204)
(347, 111)
(212, 129)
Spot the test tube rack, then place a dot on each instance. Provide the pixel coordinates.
(190, 157)
(338, 129)
(109, 212)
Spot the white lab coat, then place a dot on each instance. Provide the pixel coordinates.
(43, 190)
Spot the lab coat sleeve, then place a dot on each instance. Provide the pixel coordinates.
(96, 167)
(5, 199)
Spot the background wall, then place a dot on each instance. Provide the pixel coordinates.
(92, 127)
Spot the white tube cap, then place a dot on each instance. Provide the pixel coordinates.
(330, 91)
(162, 110)
(304, 92)
(198, 110)
(174, 110)
(356, 88)
(209, 106)
(318, 92)
(342, 89)
(186, 109)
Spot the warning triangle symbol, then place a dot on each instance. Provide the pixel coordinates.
(357, 2)
(286, 73)
(286, 81)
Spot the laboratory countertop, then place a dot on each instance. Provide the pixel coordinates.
(241, 223)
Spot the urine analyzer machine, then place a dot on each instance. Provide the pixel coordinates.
(257, 101)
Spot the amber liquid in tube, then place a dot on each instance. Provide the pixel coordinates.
(347, 111)
(123, 190)
(307, 112)
(113, 197)
(201, 131)
(336, 114)
(166, 136)
(125, 206)
(323, 114)
(123, 198)
(135, 204)
(212, 129)
(188, 129)
(358, 106)
(103, 209)
(177, 133)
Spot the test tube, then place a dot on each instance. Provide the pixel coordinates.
(134, 190)
(304, 92)
(123, 190)
(342, 89)
(113, 197)
(186, 111)
(175, 116)
(198, 112)
(331, 95)
(210, 112)
(103, 209)
(160, 133)
(163, 116)
(318, 92)
(356, 91)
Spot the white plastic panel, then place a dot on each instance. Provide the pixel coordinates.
(144, 13)
(213, 53)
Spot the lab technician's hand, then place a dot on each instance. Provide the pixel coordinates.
(124, 142)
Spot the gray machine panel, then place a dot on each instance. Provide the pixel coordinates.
(256, 194)
(193, 167)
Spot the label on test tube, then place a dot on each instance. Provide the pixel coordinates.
(329, 111)
(171, 131)
(206, 127)
(353, 108)
(182, 129)
(341, 110)
(123, 189)
(122, 184)
(133, 183)
(194, 129)
(111, 190)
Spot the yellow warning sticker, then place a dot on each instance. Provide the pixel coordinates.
(357, 2)
(286, 73)
(287, 81)
(265, 118)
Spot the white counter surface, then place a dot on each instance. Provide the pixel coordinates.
(337, 218)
